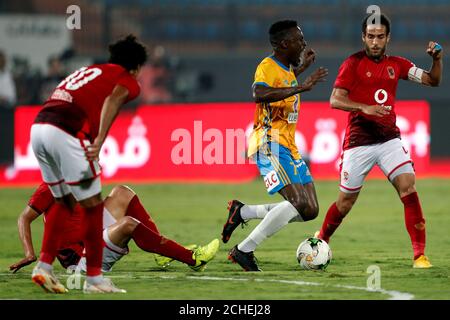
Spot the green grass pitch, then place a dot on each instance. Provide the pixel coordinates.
(372, 234)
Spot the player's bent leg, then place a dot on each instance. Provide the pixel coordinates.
(136, 210)
(121, 232)
(118, 200)
(153, 242)
(297, 196)
(335, 214)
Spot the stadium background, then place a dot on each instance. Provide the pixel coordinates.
(205, 52)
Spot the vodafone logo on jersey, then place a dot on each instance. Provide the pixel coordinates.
(381, 97)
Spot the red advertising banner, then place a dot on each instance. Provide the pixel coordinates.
(207, 142)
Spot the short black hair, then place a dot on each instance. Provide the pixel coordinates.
(279, 30)
(128, 52)
(384, 20)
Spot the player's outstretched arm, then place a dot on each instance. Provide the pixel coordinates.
(339, 100)
(24, 225)
(110, 109)
(433, 76)
(269, 94)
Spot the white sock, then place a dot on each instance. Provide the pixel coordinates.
(95, 279)
(45, 266)
(274, 220)
(257, 211)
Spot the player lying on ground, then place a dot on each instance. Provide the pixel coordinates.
(124, 218)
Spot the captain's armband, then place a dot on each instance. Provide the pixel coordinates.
(415, 74)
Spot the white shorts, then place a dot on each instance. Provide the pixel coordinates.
(391, 157)
(63, 163)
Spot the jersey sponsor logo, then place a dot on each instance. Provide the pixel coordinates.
(62, 95)
(381, 96)
(391, 72)
(271, 180)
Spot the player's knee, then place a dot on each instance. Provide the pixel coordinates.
(299, 204)
(344, 206)
(407, 190)
(128, 225)
(122, 192)
(311, 212)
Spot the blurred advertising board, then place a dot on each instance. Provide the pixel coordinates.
(208, 142)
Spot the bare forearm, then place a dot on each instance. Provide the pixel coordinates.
(275, 94)
(109, 113)
(344, 103)
(436, 72)
(24, 227)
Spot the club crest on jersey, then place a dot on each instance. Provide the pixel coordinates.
(345, 175)
(391, 72)
(368, 74)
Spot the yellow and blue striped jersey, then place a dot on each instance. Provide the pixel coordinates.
(275, 121)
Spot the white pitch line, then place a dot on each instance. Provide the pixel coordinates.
(393, 295)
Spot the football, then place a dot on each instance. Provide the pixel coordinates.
(313, 254)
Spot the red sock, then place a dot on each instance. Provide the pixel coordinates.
(93, 239)
(415, 223)
(137, 211)
(150, 241)
(332, 221)
(55, 218)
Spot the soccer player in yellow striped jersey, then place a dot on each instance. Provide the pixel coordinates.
(272, 143)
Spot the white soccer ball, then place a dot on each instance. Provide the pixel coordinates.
(313, 254)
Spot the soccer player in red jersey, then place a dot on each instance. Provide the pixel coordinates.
(66, 138)
(124, 218)
(366, 87)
